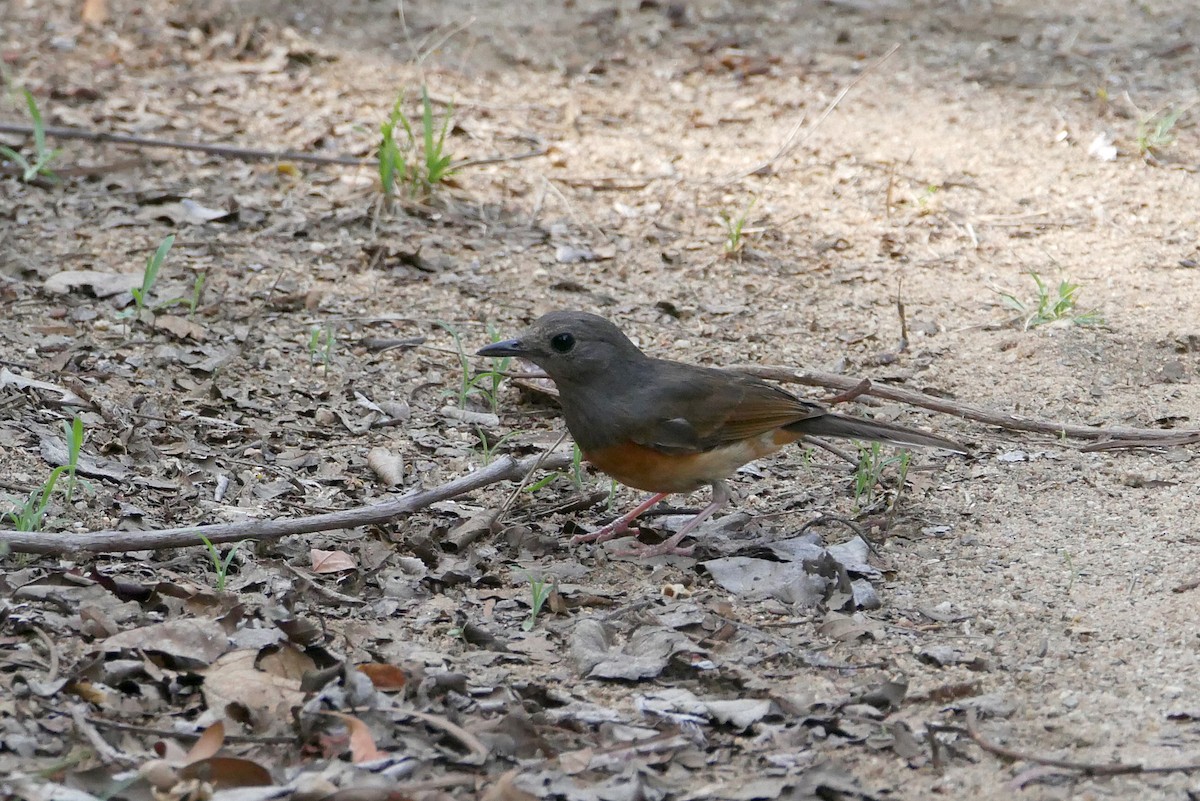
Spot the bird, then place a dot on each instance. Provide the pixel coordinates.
(667, 427)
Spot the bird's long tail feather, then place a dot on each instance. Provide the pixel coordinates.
(836, 425)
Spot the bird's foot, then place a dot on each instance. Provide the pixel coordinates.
(613, 529)
(668, 547)
(620, 525)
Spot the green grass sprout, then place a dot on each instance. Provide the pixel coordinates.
(539, 591)
(1048, 307)
(220, 563)
(42, 155)
(417, 165)
(30, 514)
(735, 226)
(871, 466)
(320, 346)
(1155, 133)
(141, 295)
(485, 384)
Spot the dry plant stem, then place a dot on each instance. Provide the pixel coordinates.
(834, 449)
(62, 543)
(231, 152)
(226, 151)
(188, 735)
(478, 750)
(845, 397)
(467, 535)
(78, 172)
(106, 752)
(1089, 768)
(512, 496)
(1121, 437)
(52, 655)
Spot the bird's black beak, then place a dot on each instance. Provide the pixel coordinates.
(507, 347)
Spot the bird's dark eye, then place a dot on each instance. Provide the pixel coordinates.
(562, 343)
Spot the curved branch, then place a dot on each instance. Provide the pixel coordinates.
(1109, 438)
(65, 542)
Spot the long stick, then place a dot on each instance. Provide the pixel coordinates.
(65, 542)
(244, 153)
(1115, 437)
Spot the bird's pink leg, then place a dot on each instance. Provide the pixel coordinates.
(620, 525)
(671, 546)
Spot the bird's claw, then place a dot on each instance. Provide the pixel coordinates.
(601, 534)
(668, 547)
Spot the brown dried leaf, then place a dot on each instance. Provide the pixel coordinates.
(234, 679)
(180, 327)
(288, 662)
(846, 628)
(331, 561)
(362, 742)
(100, 284)
(387, 465)
(195, 640)
(209, 744)
(385, 677)
(228, 772)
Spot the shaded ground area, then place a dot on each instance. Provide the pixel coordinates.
(1042, 591)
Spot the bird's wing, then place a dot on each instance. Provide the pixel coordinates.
(700, 409)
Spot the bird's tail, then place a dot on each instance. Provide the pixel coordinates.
(832, 424)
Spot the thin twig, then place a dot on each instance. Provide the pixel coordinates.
(188, 735)
(64, 542)
(52, 654)
(826, 445)
(525, 478)
(478, 750)
(845, 397)
(529, 154)
(226, 151)
(1089, 768)
(105, 751)
(233, 152)
(1115, 437)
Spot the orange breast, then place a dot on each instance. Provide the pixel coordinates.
(644, 468)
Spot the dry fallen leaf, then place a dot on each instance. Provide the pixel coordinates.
(384, 676)
(846, 628)
(196, 641)
(227, 772)
(387, 465)
(209, 744)
(100, 284)
(331, 561)
(180, 327)
(234, 679)
(362, 742)
(67, 397)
